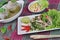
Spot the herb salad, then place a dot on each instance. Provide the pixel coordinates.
(45, 21)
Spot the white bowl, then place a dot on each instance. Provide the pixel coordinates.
(14, 17)
(33, 3)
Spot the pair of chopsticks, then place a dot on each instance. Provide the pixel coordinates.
(44, 36)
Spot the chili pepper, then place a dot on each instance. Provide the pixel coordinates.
(27, 28)
(46, 16)
(6, 38)
(10, 27)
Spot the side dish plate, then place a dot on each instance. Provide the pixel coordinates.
(20, 31)
(14, 17)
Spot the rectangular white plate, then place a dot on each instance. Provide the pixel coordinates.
(20, 32)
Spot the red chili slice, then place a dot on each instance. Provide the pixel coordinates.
(10, 27)
(46, 16)
(7, 39)
(27, 28)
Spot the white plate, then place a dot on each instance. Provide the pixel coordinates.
(19, 31)
(33, 3)
(14, 17)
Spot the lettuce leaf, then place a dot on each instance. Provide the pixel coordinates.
(43, 3)
(55, 15)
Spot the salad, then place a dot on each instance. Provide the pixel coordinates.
(55, 15)
(45, 21)
(38, 5)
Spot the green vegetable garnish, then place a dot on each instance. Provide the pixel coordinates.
(3, 2)
(13, 0)
(2, 10)
(25, 20)
(58, 23)
(3, 30)
(50, 27)
(36, 26)
(44, 17)
(43, 3)
(55, 16)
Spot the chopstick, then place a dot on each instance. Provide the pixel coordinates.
(44, 36)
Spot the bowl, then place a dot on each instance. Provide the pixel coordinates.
(34, 2)
(15, 16)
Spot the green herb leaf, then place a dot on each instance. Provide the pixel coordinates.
(3, 29)
(50, 27)
(13, 0)
(55, 16)
(2, 10)
(3, 2)
(43, 3)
